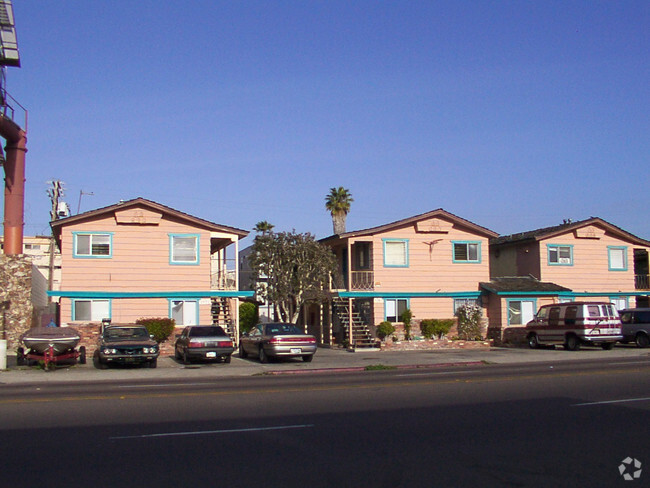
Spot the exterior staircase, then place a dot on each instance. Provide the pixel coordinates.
(361, 336)
(221, 315)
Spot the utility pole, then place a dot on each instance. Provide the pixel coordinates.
(54, 193)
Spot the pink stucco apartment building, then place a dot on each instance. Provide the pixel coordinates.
(590, 259)
(430, 263)
(139, 258)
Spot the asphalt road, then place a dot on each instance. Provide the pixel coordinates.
(562, 424)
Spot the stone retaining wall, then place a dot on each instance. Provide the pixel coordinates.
(16, 291)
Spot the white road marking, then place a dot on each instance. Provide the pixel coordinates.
(438, 373)
(607, 402)
(206, 432)
(166, 385)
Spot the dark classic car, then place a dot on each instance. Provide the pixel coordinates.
(126, 344)
(203, 342)
(276, 340)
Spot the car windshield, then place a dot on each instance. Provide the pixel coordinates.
(124, 333)
(206, 331)
(282, 329)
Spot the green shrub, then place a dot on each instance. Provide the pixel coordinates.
(436, 328)
(160, 328)
(248, 316)
(406, 320)
(384, 329)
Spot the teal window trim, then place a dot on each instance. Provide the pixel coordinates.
(509, 300)
(170, 302)
(609, 257)
(468, 260)
(75, 300)
(76, 255)
(386, 300)
(556, 247)
(406, 253)
(197, 250)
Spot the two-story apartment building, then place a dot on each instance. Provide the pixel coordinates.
(430, 264)
(589, 259)
(142, 259)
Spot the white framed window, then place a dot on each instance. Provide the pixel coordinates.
(617, 256)
(620, 303)
(88, 310)
(93, 244)
(520, 312)
(394, 308)
(460, 302)
(560, 255)
(466, 252)
(185, 312)
(184, 249)
(396, 253)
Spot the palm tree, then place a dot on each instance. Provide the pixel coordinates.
(263, 227)
(338, 204)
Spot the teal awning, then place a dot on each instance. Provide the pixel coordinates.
(151, 294)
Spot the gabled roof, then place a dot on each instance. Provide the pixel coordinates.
(549, 232)
(524, 284)
(57, 225)
(412, 220)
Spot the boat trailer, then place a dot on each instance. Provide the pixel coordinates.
(49, 357)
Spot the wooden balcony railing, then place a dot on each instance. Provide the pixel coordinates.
(642, 282)
(223, 276)
(363, 280)
(224, 280)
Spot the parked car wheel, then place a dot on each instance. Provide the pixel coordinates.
(226, 359)
(97, 362)
(177, 354)
(533, 341)
(82, 355)
(242, 352)
(642, 340)
(572, 343)
(153, 363)
(263, 356)
(20, 357)
(607, 345)
(308, 359)
(186, 359)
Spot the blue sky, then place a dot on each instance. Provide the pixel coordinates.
(512, 114)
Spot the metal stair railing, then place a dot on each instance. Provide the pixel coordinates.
(361, 336)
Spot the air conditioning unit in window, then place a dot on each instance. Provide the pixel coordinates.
(565, 261)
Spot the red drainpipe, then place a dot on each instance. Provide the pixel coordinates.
(14, 184)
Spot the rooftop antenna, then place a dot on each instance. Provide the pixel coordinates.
(81, 193)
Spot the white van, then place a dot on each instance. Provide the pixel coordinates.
(575, 323)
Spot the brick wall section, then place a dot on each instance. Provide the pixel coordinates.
(16, 287)
(389, 345)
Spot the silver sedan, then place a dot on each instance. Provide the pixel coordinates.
(277, 339)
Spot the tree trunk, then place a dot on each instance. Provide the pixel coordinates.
(338, 221)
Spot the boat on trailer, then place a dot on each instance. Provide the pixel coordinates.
(60, 339)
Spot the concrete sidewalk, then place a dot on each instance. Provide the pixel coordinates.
(326, 360)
